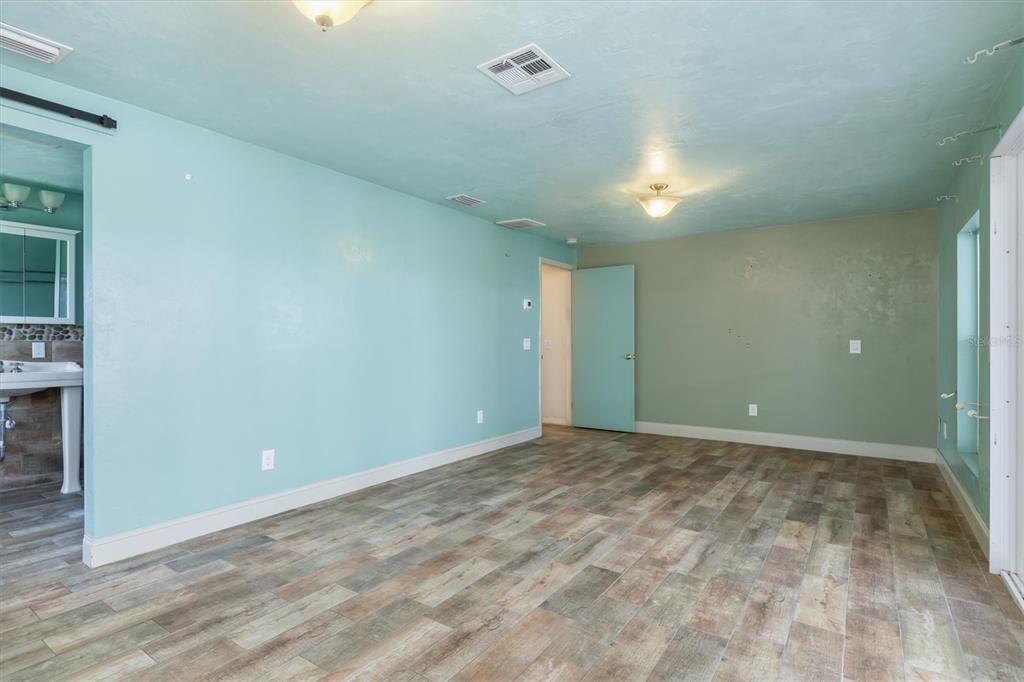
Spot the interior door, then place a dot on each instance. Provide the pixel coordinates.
(603, 348)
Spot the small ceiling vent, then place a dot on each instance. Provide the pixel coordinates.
(465, 200)
(31, 45)
(522, 70)
(520, 224)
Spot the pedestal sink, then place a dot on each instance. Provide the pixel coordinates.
(22, 378)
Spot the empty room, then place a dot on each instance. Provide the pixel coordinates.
(487, 340)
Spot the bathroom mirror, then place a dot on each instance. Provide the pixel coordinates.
(37, 274)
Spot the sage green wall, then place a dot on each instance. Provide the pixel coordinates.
(971, 184)
(765, 316)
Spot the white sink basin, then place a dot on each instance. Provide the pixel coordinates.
(36, 376)
(22, 378)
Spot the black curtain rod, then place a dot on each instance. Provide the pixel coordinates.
(57, 108)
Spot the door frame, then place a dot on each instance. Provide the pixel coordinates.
(1006, 372)
(542, 261)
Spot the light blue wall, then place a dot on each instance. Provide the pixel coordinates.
(971, 184)
(271, 303)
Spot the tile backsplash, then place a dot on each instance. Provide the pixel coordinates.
(40, 332)
(34, 452)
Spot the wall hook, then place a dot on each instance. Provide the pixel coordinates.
(963, 133)
(955, 198)
(988, 52)
(968, 159)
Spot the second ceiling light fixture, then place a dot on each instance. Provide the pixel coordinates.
(328, 13)
(659, 205)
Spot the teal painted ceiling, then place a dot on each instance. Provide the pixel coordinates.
(759, 113)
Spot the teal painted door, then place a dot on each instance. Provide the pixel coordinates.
(603, 349)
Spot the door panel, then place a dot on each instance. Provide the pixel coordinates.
(603, 348)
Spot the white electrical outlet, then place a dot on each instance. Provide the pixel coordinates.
(38, 349)
(752, 409)
(479, 416)
(854, 346)
(267, 460)
(527, 343)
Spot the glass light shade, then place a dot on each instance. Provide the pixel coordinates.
(51, 201)
(659, 206)
(328, 13)
(15, 194)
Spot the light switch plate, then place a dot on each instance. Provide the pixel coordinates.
(854, 346)
(267, 460)
(527, 343)
(527, 304)
(479, 416)
(548, 344)
(38, 349)
(752, 409)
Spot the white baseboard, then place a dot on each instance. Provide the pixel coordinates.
(908, 453)
(100, 551)
(974, 520)
(1015, 585)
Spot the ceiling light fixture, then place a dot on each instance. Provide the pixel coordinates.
(328, 13)
(659, 205)
(14, 196)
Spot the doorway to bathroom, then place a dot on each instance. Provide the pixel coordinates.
(42, 223)
(555, 343)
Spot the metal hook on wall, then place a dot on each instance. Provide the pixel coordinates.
(988, 52)
(955, 198)
(963, 133)
(967, 159)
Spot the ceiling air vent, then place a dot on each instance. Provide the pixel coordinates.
(465, 200)
(522, 70)
(520, 224)
(31, 45)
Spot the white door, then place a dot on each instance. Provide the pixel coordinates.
(556, 344)
(1006, 367)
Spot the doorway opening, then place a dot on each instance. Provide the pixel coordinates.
(42, 223)
(555, 343)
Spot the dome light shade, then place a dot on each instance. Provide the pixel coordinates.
(659, 206)
(328, 13)
(51, 201)
(15, 194)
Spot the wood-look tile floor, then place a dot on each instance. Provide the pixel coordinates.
(582, 555)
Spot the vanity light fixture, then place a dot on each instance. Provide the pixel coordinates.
(14, 196)
(659, 205)
(51, 201)
(328, 13)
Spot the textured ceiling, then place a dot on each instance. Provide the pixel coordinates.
(759, 113)
(40, 159)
